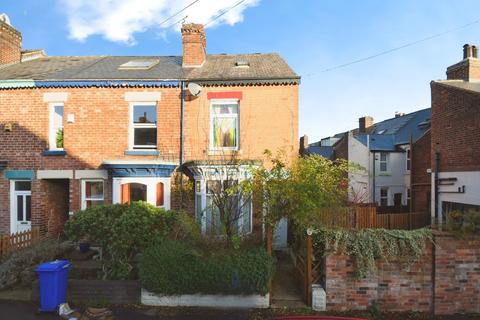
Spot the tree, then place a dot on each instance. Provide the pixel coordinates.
(298, 192)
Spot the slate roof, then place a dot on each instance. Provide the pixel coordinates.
(216, 68)
(387, 135)
(323, 151)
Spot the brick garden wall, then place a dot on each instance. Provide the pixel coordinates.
(453, 271)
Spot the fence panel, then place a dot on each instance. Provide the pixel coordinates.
(18, 241)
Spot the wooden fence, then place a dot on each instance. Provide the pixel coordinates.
(18, 241)
(367, 217)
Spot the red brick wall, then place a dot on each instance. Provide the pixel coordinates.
(455, 128)
(10, 44)
(100, 131)
(340, 149)
(420, 162)
(393, 288)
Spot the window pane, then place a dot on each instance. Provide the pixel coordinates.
(384, 202)
(138, 192)
(57, 117)
(225, 108)
(23, 185)
(225, 132)
(19, 208)
(246, 215)
(213, 222)
(383, 166)
(145, 137)
(383, 157)
(383, 192)
(94, 189)
(93, 203)
(28, 207)
(198, 208)
(214, 186)
(145, 114)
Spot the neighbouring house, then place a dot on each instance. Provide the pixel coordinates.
(387, 152)
(455, 137)
(79, 131)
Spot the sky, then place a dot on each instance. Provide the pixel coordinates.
(311, 35)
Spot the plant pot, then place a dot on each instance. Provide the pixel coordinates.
(84, 247)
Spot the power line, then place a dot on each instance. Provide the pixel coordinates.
(178, 12)
(409, 44)
(224, 12)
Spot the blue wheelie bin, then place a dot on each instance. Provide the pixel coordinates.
(53, 284)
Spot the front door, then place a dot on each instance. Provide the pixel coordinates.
(397, 200)
(21, 205)
(280, 235)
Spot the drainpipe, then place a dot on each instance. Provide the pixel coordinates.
(182, 107)
(437, 164)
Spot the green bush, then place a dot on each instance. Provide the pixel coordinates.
(171, 267)
(122, 231)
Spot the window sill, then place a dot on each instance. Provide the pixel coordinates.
(54, 153)
(223, 152)
(384, 174)
(141, 152)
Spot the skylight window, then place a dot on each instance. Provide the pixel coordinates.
(138, 64)
(242, 63)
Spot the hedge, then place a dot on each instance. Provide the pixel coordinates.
(122, 231)
(173, 268)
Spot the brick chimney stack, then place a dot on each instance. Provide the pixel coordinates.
(10, 42)
(469, 68)
(303, 145)
(194, 45)
(364, 123)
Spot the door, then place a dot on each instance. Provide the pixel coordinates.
(280, 235)
(397, 200)
(21, 205)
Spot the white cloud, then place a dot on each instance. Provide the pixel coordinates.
(119, 20)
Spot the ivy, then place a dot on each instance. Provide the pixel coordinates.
(369, 245)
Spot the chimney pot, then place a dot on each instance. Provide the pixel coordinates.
(469, 68)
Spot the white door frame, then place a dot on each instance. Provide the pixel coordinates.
(13, 204)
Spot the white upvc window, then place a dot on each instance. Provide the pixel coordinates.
(383, 162)
(92, 193)
(56, 126)
(384, 197)
(408, 156)
(224, 124)
(143, 126)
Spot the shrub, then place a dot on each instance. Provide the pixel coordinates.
(20, 265)
(122, 231)
(463, 224)
(172, 267)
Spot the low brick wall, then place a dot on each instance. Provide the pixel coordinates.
(446, 279)
(104, 291)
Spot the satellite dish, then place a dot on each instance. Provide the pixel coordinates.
(195, 89)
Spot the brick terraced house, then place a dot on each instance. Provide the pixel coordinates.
(78, 131)
(455, 137)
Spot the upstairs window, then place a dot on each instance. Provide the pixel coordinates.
(144, 126)
(383, 162)
(224, 125)
(408, 159)
(56, 127)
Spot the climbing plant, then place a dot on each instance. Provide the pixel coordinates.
(369, 245)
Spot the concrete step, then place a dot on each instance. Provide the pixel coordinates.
(294, 304)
